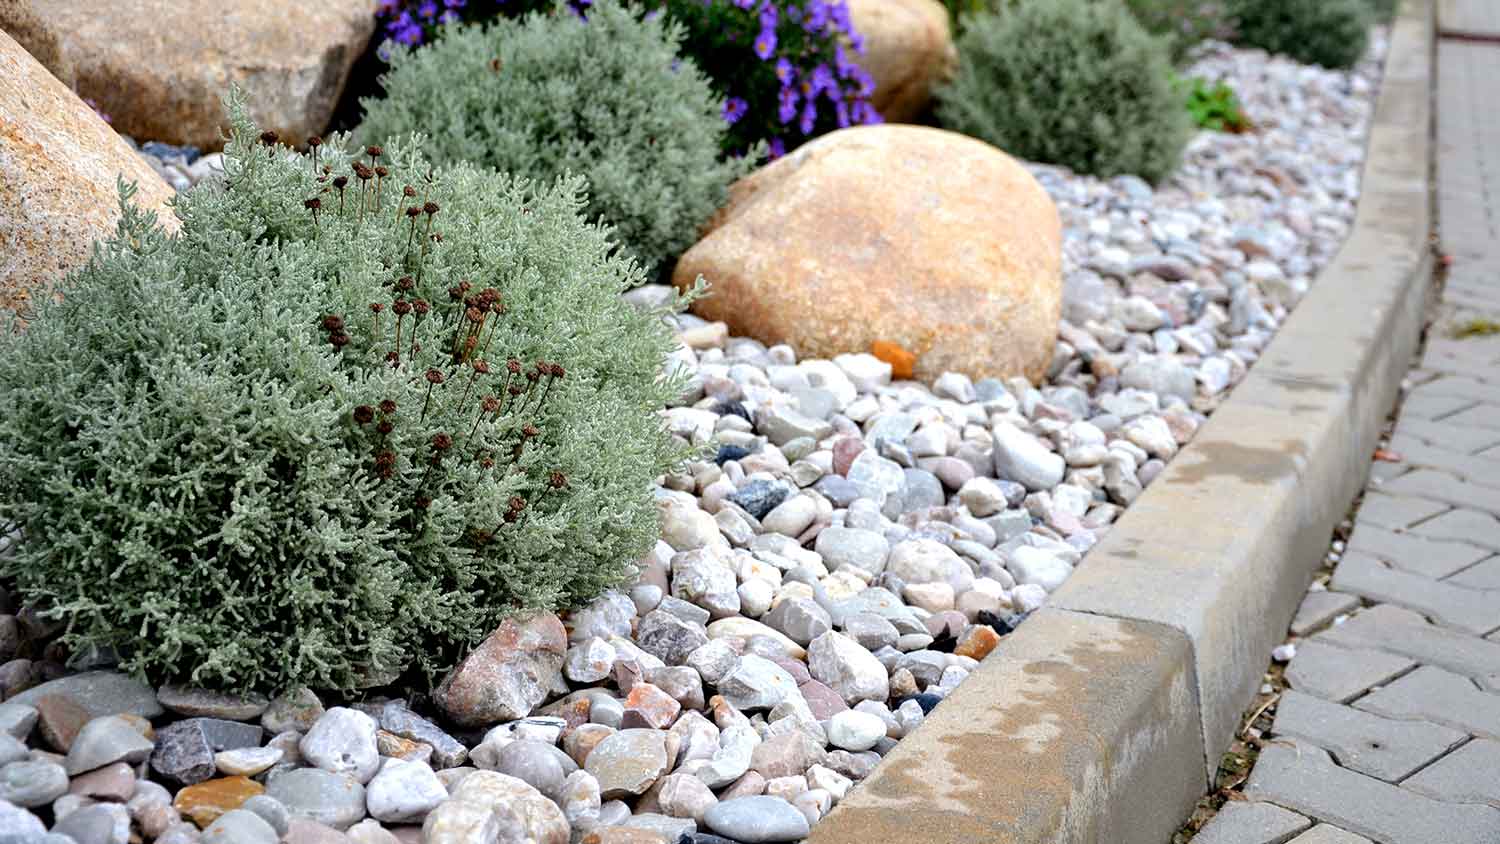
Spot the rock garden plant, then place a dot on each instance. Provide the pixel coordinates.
(1073, 82)
(353, 415)
(607, 98)
(1332, 33)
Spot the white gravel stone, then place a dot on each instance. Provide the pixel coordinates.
(343, 742)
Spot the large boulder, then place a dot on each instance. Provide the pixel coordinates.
(58, 166)
(19, 20)
(908, 50)
(159, 69)
(904, 234)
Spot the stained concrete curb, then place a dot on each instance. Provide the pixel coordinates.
(1102, 718)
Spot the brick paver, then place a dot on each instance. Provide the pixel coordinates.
(1389, 730)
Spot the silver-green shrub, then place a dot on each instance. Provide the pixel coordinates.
(1332, 33)
(543, 95)
(350, 417)
(1072, 82)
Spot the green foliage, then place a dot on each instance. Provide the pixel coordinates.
(1071, 82)
(1384, 10)
(194, 440)
(1184, 23)
(606, 98)
(1215, 106)
(1332, 33)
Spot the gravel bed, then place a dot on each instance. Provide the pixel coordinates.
(853, 549)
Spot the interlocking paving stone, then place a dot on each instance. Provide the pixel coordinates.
(1478, 416)
(1468, 609)
(1433, 485)
(1491, 452)
(1243, 822)
(1443, 697)
(1319, 608)
(1459, 437)
(1469, 389)
(1469, 526)
(1431, 557)
(1433, 405)
(1477, 16)
(1399, 631)
(1381, 747)
(1484, 471)
(1327, 834)
(1485, 575)
(1470, 774)
(1342, 674)
(1302, 777)
(1383, 472)
(1391, 512)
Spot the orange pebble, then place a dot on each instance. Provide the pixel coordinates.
(903, 363)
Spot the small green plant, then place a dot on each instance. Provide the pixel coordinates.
(1331, 33)
(350, 417)
(607, 98)
(1071, 82)
(1215, 106)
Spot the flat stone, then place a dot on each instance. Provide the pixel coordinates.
(1432, 694)
(404, 792)
(1399, 631)
(757, 683)
(1303, 777)
(1467, 775)
(101, 693)
(206, 801)
(194, 703)
(787, 755)
(757, 819)
(1319, 608)
(185, 749)
(112, 738)
(1022, 458)
(1341, 674)
(628, 762)
(1373, 745)
(1462, 525)
(16, 821)
(1243, 822)
(1466, 609)
(1441, 486)
(247, 761)
(32, 782)
(840, 663)
(336, 800)
(60, 718)
(1485, 575)
(114, 783)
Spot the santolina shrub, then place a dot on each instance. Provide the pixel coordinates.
(606, 98)
(344, 422)
(1071, 82)
(1332, 33)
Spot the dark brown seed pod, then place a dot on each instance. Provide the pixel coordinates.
(429, 208)
(482, 367)
(385, 458)
(405, 284)
(268, 137)
(385, 426)
(382, 171)
(441, 442)
(490, 404)
(333, 322)
(517, 503)
(529, 432)
(374, 151)
(339, 340)
(387, 406)
(434, 376)
(340, 182)
(312, 204)
(557, 480)
(377, 307)
(513, 366)
(314, 141)
(401, 307)
(409, 191)
(420, 306)
(364, 414)
(495, 65)
(558, 371)
(412, 211)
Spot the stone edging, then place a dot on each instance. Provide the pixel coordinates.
(1102, 718)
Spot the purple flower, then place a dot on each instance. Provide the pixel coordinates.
(743, 4)
(841, 61)
(428, 9)
(817, 16)
(734, 108)
(784, 72)
(822, 80)
(455, 4)
(768, 16)
(777, 148)
(840, 113)
(449, 16)
(841, 20)
(809, 117)
(788, 102)
(865, 114)
(765, 43)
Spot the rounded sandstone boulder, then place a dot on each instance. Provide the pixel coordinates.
(921, 237)
(908, 51)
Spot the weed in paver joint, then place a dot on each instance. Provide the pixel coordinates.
(1477, 327)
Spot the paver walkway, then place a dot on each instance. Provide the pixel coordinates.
(1389, 730)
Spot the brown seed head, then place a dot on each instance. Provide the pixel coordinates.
(474, 315)
(412, 211)
(377, 307)
(517, 503)
(387, 406)
(385, 458)
(339, 340)
(364, 414)
(268, 137)
(421, 502)
(482, 367)
(420, 306)
(557, 480)
(442, 442)
(314, 141)
(374, 151)
(429, 207)
(495, 65)
(408, 191)
(515, 390)
(382, 171)
(385, 427)
(312, 204)
(401, 307)
(434, 376)
(490, 404)
(558, 371)
(406, 284)
(514, 366)
(340, 181)
(529, 431)
(333, 322)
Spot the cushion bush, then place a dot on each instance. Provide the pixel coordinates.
(543, 95)
(353, 415)
(1072, 82)
(1332, 33)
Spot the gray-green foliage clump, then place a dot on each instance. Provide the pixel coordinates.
(1332, 33)
(1071, 82)
(338, 427)
(545, 95)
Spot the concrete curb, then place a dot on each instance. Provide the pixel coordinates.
(1103, 717)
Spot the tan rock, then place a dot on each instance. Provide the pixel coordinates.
(908, 50)
(162, 80)
(508, 675)
(19, 20)
(205, 802)
(487, 803)
(58, 165)
(921, 237)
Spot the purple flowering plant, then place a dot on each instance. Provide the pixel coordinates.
(788, 69)
(414, 22)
